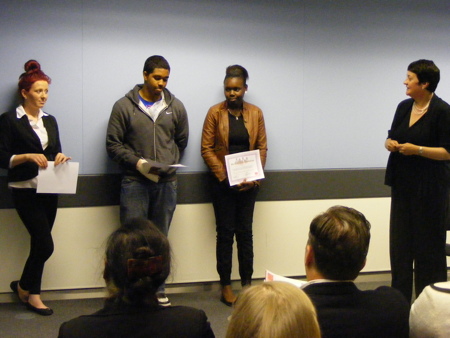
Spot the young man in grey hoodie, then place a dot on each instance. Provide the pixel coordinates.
(149, 124)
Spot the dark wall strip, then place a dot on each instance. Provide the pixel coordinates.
(102, 190)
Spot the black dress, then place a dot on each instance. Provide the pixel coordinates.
(419, 205)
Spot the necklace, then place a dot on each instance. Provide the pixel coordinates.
(236, 115)
(420, 111)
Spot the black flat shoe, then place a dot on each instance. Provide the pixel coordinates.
(227, 303)
(14, 287)
(43, 312)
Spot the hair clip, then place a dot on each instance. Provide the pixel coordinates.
(139, 267)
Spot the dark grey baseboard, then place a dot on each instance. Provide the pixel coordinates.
(103, 190)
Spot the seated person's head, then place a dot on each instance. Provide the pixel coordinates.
(275, 310)
(137, 262)
(337, 245)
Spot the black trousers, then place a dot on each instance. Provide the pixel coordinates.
(37, 212)
(417, 238)
(234, 216)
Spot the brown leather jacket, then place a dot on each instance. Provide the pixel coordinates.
(215, 136)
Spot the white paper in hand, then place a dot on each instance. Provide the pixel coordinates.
(61, 179)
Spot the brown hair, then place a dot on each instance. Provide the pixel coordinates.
(340, 240)
(137, 262)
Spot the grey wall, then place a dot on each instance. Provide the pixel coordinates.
(327, 74)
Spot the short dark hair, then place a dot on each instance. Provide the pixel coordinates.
(140, 243)
(236, 71)
(340, 240)
(155, 61)
(426, 71)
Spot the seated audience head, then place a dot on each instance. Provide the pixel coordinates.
(275, 310)
(338, 244)
(137, 262)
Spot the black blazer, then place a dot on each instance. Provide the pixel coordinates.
(17, 137)
(431, 130)
(345, 311)
(129, 321)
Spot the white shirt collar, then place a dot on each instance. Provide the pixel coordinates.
(317, 281)
(20, 112)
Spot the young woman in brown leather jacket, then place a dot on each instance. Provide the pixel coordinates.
(233, 126)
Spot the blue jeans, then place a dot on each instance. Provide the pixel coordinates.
(148, 200)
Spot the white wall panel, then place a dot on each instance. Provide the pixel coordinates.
(280, 234)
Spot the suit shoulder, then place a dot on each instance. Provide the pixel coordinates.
(9, 115)
(186, 311)
(49, 117)
(442, 105)
(392, 296)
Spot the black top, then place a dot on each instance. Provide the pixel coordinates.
(345, 311)
(129, 321)
(431, 130)
(238, 137)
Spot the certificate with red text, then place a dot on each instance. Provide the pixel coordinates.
(271, 277)
(244, 166)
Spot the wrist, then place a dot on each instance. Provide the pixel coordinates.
(420, 152)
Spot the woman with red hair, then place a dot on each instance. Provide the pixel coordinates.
(29, 138)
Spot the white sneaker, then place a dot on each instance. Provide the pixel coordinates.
(162, 299)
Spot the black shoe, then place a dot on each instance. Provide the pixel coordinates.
(43, 312)
(14, 287)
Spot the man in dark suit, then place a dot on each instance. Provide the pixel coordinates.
(335, 254)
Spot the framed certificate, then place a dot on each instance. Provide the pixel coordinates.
(244, 166)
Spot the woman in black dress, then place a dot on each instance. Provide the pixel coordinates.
(418, 173)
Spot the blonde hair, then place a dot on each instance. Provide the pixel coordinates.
(273, 310)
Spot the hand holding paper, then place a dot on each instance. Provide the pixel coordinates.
(147, 170)
(61, 158)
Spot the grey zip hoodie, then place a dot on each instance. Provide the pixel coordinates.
(132, 134)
